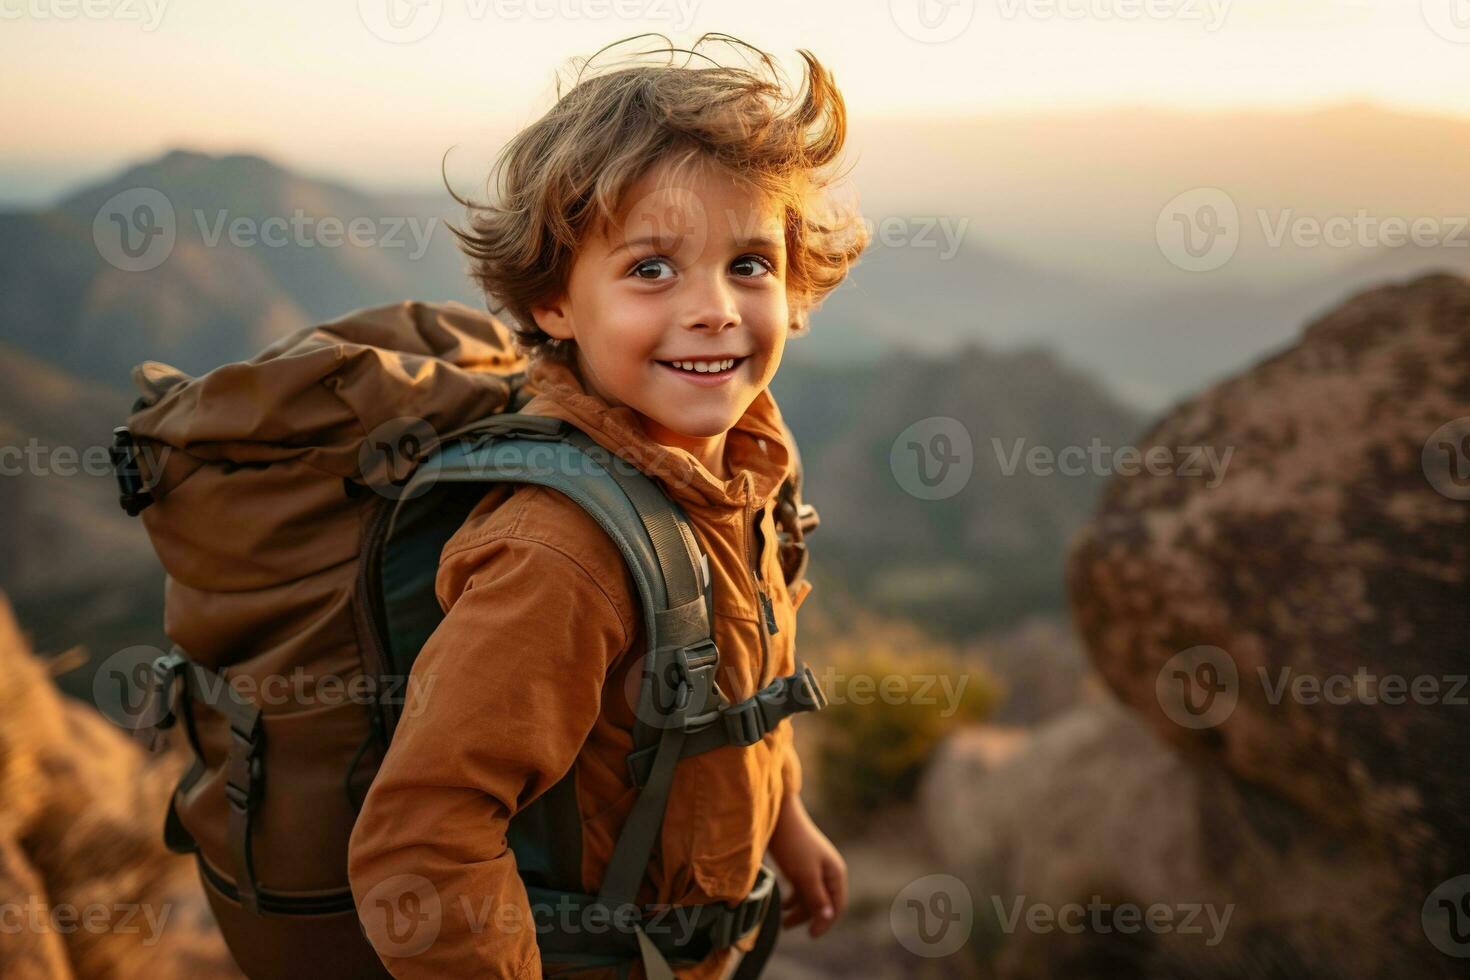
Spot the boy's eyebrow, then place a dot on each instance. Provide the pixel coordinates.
(757, 241)
(762, 241)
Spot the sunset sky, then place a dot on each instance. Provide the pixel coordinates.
(317, 85)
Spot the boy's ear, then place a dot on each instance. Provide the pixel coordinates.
(553, 318)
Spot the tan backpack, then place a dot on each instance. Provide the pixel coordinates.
(299, 502)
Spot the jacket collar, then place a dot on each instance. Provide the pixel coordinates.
(756, 448)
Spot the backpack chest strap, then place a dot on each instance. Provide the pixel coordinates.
(745, 722)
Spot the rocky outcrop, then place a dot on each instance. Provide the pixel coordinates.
(87, 888)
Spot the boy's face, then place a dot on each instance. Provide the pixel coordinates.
(695, 272)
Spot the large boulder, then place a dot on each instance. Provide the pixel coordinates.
(1329, 567)
(1285, 638)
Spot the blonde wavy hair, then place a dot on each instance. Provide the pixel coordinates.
(566, 174)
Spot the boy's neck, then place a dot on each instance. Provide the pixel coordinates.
(709, 450)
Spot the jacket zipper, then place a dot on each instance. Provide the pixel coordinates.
(764, 600)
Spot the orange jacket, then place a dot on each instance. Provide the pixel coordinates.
(524, 680)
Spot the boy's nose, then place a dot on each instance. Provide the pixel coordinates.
(714, 308)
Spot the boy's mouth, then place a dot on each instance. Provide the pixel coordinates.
(705, 371)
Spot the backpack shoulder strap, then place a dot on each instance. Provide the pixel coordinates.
(651, 531)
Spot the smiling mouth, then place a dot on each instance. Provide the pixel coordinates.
(705, 368)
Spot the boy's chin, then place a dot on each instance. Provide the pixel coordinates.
(685, 428)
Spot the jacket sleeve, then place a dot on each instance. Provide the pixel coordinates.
(790, 761)
(499, 703)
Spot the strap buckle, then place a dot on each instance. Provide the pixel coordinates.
(736, 921)
(746, 722)
(133, 492)
(810, 694)
(157, 713)
(694, 666)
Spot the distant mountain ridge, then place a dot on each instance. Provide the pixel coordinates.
(78, 323)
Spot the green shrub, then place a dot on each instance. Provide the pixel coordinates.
(893, 696)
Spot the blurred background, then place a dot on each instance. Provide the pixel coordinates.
(1234, 231)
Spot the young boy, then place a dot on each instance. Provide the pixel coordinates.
(656, 242)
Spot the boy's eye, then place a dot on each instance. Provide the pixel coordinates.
(759, 263)
(642, 269)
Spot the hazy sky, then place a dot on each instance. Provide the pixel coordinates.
(350, 88)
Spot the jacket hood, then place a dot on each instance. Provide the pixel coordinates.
(757, 448)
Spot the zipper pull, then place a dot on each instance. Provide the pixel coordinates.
(770, 612)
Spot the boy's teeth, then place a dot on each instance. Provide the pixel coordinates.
(704, 367)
